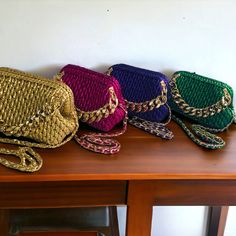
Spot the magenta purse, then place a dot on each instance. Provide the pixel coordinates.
(99, 104)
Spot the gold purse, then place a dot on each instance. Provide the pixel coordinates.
(34, 112)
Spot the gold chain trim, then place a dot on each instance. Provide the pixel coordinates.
(198, 112)
(103, 112)
(58, 76)
(109, 71)
(33, 121)
(149, 105)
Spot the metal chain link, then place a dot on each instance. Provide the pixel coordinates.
(198, 112)
(206, 139)
(103, 112)
(102, 142)
(157, 129)
(147, 105)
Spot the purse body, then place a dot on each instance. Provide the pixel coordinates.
(92, 92)
(140, 86)
(39, 110)
(204, 100)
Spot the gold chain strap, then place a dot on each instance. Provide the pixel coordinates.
(149, 105)
(198, 112)
(103, 112)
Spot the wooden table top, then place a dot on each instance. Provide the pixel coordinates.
(142, 156)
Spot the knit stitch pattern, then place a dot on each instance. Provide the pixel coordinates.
(199, 92)
(91, 92)
(140, 85)
(36, 108)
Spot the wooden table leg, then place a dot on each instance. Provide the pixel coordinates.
(4, 222)
(143, 195)
(217, 217)
(139, 215)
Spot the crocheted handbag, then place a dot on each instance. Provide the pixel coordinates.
(34, 112)
(204, 100)
(145, 93)
(100, 104)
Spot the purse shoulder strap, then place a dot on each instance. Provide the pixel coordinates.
(102, 142)
(30, 161)
(211, 110)
(200, 135)
(157, 129)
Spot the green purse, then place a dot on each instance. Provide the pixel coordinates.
(205, 101)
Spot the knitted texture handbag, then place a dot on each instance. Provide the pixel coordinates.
(100, 104)
(145, 93)
(34, 112)
(204, 100)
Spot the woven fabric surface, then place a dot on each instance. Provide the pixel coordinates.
(140, 85)
(91, 92)
(36, 108)
(200, 92)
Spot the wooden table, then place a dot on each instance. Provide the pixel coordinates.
(148, 171)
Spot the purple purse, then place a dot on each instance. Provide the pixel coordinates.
(145, 93)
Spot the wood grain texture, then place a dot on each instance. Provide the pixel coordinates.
(139, 211)
(187, 192)
(142, 156)
(62, 194)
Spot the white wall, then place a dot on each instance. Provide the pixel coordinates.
(163, 35)
(230, 229)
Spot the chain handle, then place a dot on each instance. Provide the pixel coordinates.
(102, 142)
(147, 105)
(158, 129)
(58, 76)
(30, 161)
(206, 139)
(109, 71)
(198, 112)
(103, 112)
